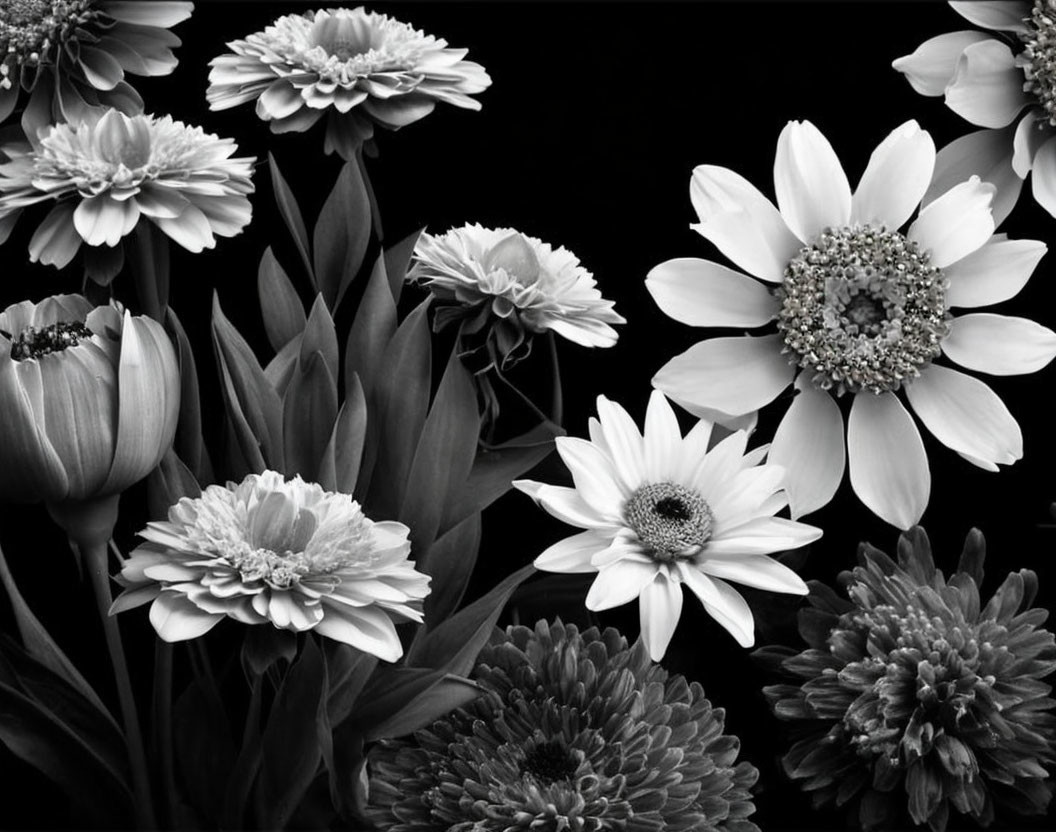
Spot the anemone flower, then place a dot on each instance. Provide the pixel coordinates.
(862, 310)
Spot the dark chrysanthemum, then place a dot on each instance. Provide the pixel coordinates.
(916, 697)
(578, 732)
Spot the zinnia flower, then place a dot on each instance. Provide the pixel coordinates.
(268, 550)
(916, 696)
(661, 510)
(72, 55)
(990, 78)
(861, 308)
(575, 732)
(514, 285)
(357, 68)
(106, 174)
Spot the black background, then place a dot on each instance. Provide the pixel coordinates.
(597, 114)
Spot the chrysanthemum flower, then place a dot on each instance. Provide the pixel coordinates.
(861, 308)
(916, 696)
(1003, 80)
(72, 55)
(514, 285)
(357, 68)
(575, 732)
(288, 553)
(661, 510)
(106, 174)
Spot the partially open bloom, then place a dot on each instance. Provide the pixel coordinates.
(72, 55)
(1003, 80)
(355, 67)
(861, 309)
(106, 174)
(513, 287)
(914, 696)
(278, 551)
(576, 732)
(89, 399)
(661, 510)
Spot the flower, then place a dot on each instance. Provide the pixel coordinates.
(356, 67)
(288, 552)
(72, 55)
(576, 732)
(515, 284)
(662, 510)
(107, 173)
(914, 686)
(861, 308)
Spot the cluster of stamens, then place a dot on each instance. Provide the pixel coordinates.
(33, 342)
(30, 29)
(280, 570)
(862, 308)
(672, 521)
(1038, 58)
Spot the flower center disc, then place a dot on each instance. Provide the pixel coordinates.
(33, 342)
(862, 308)
(673, 521)
(1038, 59)
(549, 762)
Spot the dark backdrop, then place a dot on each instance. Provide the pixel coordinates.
(596, 116)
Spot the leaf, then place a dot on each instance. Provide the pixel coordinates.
(168, 483)
(450, 561)
(244, 771)
(204, 749)
(348, 671)
(400, 700)
(339, 470)
(372, 329)
(309, 414)
(320, 336)
(291, 215)
(189, 444)
(342, 234)
(398, 259)
(280, 304)
(281, 368)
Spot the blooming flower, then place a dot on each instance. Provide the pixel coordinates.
(270, 550)
(516, 284)
(661, 510)
(107, 173)
(356, 67)
(577, 732)
(861, 308)
(915, 687)
(72, 55)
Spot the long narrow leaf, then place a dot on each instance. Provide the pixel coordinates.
(372, 329)
(291, 215)
(280, 304)
(450, 561)
(398, 259)
(342, 234)
(310, 411)
(189, 443)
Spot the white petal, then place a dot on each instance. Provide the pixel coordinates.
(718, 468)
(594, 477)
(999, 344)
(957, 223)
(619, 583)
(987, 86)
(659, 607)
(888, 466)
(932, 65)
(624, 547)
(993, 273)
(733, 375)
(1031, 133)
(743, 497)
(573, 554)
(663, 439)
(757, 571)
(365, 628)
(700, 293)
(760, 536)
(566, 504)
(745, 422)
(987, 154)
(741, 222)
(624, 441)
(177, 619)
(722, 602)
(966, 415)
(1043, 182)
(694, 448)
(812, 189)
(809, 445)
(999, 15)
(896, 178)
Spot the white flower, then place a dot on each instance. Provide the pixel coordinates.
(661, 510)
(861, 308)
(990, 79)
(271, 550)
(357, 67)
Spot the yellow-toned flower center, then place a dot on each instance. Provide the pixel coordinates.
(672, 521)
(1039, 53)
(30, 28)
(33, 342)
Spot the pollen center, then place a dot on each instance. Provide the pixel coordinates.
(1038, 59)
(30, 28)
(550, 762)
(862, 308)
(672, 521)
(33, 342)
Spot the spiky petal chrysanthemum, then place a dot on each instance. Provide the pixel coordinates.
(914, 696)
(357, 68)
(575, 732)
(284, 552)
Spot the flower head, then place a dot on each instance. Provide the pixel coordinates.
(913, 695)
(285, 552)
(357, 68)
(106, 174)
(515, 286)
(862, 309)
(576, 732)
(661, 510)
(72, 55)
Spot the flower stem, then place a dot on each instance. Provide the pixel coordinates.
(163, 725)
(557, 406)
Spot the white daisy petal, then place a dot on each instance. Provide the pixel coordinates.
(932, 65)
(694, 447)
(957, 223)
(623, 440)
(1043, 180)
(565, 504)
(619, 584)
(999, 15)
(595, 480)
(663, 437)
(622, 548)
(573, 554)
(987, 86)
(986, 153)
(999, 344)
(721, 464)
(757, 571)
(701, 293)
(723, 603)
(896, 178)
(760, 536)
(993, 273)
(660, 607)
(812, 189)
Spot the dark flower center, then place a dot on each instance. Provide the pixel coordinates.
(672, 521)
(1040, 54)
(30, 28)
(549, 762)
(33, 342)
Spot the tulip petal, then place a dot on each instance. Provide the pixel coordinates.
(999, 15)
(31, 468)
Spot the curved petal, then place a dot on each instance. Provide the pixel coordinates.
(964, 414)
(1031, 133)
(30, 468)
(888, 466)
(999, 344)
(993, 273)
(159, 13)
(986, 154)
(722, 602)
(760, 536)
(365, 628)
(593, 475)
(56, 240)
(999, 15)
(812, 189)
(700, 293)
(987, 86)
(957, 223)
(732, 375)
(663, 439)
(623, 440)
(566, 504)
(659, 608)
(175, 618)
(896, 178)
(757, 571)
(932, 65)
(573, 554)
(619, 583)
(1043, 181)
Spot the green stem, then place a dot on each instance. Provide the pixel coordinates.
(163, 725)
(557, 406)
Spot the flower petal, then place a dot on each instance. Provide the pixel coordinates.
(993, 273)
(722, 602)
(32, 468)
(757, 571)
(987, 86)
(1043, 182)
(566, 504)
(663, 439)
(365, 628)
(957, 223)
(812, 189)
(619, 583)
(701, 293)
(932, 65)
(896, 178)
(573, 554)
(986, 153)
(593, 475)
(56, 241)
(659, 609)
(1029, 136)
(999, 15)
(177, 619)
(158, 13)
(760, 536)
(623, 441)
(999, 344)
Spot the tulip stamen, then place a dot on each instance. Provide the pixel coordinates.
(33, 342)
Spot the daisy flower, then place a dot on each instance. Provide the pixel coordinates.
(355, 67)
(106, 174)
(862, 310)
(285, 552)
(71, 56)
(660, 510)
(1002, 79)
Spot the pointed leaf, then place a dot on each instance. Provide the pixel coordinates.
(398, 260)
(343, 454)
(203, 748)
(320, 336)
(167, 484)
(342, 234)
(291, 215)
(280, 304)
(450, 561)
(189, 443)
(372, 329)
(309, 414)
(443, 696)
(348, 671)
(281, 368)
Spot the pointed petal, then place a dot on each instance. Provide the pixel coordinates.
(987, 86)
(760, 536)
(757, 571)
(592, 472)
(933, 64)
(999, 344)
(365, 628)
(660, 607)
(623, 440)
(573, 554)
(663, 439)
(812, 189)
(619, 583)
(993, 273)
(722, 602)
(957, 223)
(987, 154)
(700, 293)
(566, 504)
(896, 178)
